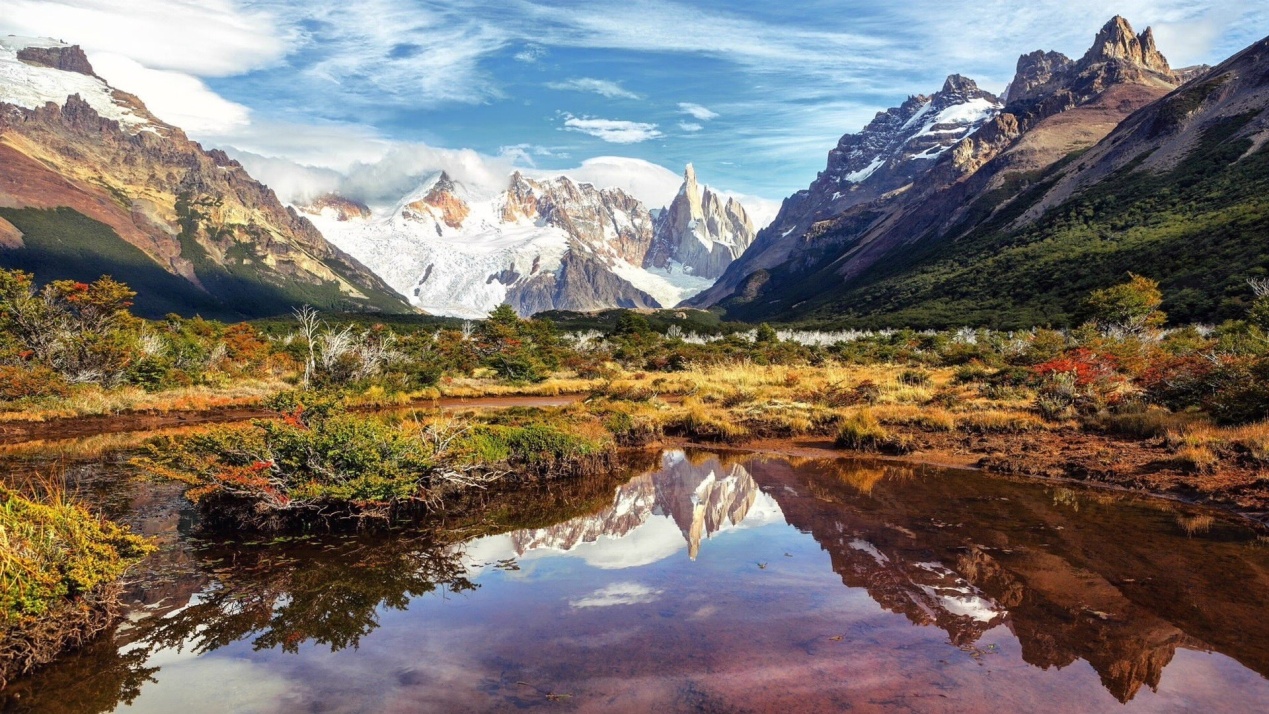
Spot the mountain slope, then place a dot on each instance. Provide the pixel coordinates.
(1055, 109)
(545, 244)
(899, 145)
(1179, 192)
(700, 231)
(155, 201)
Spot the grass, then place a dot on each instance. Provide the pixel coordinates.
(59, 565)
(93, 400)
(862, 432)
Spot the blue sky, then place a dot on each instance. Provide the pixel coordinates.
(753, 93)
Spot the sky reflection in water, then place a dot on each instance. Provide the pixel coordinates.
(730, 584)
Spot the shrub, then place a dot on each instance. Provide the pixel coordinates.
(27, 382)
(318, 464)
(971, 373)
(58, 567)
(915, 378)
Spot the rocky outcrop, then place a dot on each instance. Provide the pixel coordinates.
(1116, 42)
(66, 58)
(700, 231)
(339, 208)
(440, 204)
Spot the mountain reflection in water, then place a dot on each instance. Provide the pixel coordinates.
(707, 583)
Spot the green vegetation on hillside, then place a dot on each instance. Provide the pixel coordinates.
(1201, 229)
(63, 244)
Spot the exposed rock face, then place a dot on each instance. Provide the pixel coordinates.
(440, 204)
(196, 214)
(68, 59)
(543, 244)
(1054, 106)
(897, 147)
(1036, 70)
(1116, 41)
(700, 231)
(340, 208)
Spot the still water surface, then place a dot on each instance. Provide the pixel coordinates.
(704, 583)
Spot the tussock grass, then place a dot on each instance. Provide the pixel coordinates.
(862, 432)
(1000, 421)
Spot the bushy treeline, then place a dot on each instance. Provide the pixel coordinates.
(63, 334)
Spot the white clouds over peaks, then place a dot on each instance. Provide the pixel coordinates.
(613, 131)
(602, 87)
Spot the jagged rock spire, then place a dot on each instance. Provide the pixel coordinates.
(1117, 41)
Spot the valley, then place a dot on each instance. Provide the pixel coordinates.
(344, 368)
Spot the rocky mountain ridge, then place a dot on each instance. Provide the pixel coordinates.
(190, 227)
(539, 244)
(1053, 108)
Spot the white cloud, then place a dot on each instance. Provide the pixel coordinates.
(530, 54)
(203, 37)
(697, 111)
(654, 185)
(602, 87)
(626, 593)
(387, 52)
(177, 98)
(613, 131)
(690, 126)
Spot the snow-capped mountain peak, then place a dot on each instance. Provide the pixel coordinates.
(539, 244)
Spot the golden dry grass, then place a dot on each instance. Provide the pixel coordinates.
(95, 401)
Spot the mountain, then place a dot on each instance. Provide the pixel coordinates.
(898, 145)
(1095, 167)
(685, 502)
(93, 183)
(700, 231)
(539, 244)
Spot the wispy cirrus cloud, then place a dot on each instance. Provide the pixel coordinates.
(602, 87)
(613, 131)
(697, 111)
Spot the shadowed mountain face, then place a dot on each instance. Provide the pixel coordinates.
(706, 581)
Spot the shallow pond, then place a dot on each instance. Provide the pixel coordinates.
(701, 583)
